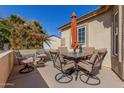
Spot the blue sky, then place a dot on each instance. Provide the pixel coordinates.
(49, 16)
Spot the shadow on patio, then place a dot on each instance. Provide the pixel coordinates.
(28, 80)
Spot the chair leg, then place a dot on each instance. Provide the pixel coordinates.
(88, 78)
(26, 69)
(76, 73)
(63, 78)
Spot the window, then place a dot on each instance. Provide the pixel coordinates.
(82, 35)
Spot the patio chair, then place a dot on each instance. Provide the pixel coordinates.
(63, 50)
(91, 68)
(26, 61)
(18, 56)
(62, 66)
(48, 57)
(88, 50)
(102, 53)
(40, 56)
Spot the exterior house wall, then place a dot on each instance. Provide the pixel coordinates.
(67, 36)
(98, 34)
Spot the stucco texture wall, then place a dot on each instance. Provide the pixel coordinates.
(67, 36)
(99, 35)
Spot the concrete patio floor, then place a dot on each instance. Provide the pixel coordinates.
(44, 77)
(28, 80)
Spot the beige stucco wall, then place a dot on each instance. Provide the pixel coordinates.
(6, 65)
(99, 35)
(28, 51)
(98, 32)
(67, 35)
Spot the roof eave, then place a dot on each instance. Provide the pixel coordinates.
(96, 12)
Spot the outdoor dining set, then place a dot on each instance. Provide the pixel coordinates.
(85, 63)
(69, 64)
(88, 60)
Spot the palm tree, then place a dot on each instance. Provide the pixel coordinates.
(38, 35)
(16, 23)
(22, 34)
(15, 20)
(43, 32)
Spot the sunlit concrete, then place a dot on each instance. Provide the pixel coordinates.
(45, 77)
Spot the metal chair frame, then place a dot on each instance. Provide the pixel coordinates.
(62, 74)
(92, 74)
(27, 68)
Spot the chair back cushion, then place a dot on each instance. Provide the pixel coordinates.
(102, 53)
(63, 50)
(48, 56)
(94, 64)
(88, 50)
(89, 65)
(94, 57)
(95, 61)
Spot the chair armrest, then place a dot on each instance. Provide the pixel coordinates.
(66, 60)
(86, 62)
(69, 62)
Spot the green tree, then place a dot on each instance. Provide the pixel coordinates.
(16, 22)
(22, 34)
(37, 35)
(5, 32)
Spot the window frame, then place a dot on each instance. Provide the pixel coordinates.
(78, 35)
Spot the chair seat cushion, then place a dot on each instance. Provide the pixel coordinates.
(85, 65)
(28, 60)
(68, 66)
(37, 59)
